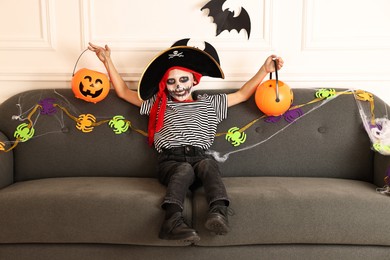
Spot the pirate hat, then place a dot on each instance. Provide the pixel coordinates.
(205, 62)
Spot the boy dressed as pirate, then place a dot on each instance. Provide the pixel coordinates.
(182, 129)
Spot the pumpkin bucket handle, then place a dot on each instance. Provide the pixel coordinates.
(74, 69)
(277, 81)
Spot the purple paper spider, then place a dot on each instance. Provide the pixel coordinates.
(47, 105)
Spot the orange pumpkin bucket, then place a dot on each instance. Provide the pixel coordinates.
(273, 97)
(90, 85)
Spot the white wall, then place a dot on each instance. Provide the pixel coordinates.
(325, 43)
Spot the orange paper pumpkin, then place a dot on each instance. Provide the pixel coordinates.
(273, 99)
(90, 85)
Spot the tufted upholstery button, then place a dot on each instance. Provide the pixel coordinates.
(322, 130)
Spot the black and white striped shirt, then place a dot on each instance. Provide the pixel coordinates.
(189, 123)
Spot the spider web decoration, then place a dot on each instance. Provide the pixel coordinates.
(378, 129)
(29, 116)
(57, 108)
(295, 113)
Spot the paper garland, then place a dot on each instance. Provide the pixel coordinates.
(84, 122)
(236, 136)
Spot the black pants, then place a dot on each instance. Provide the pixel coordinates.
(184, 168)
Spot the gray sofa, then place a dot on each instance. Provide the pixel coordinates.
(302, 190)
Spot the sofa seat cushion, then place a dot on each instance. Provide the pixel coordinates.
(107, 210)
(292, 210)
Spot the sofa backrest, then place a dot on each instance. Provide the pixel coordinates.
(329, 140)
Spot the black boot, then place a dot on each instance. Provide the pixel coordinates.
(217, 220)
(175, 228)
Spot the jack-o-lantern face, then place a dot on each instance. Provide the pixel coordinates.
(90, 85)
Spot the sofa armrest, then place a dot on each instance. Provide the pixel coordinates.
(6, 165)
(381, 169)
(381, 162)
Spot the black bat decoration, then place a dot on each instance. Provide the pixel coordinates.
(225, 20)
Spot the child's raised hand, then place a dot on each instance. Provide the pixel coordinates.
(102, 53)
(269, 64)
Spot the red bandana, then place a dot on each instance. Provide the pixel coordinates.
(156, 117)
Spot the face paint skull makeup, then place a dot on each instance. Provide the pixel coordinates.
(179, 84)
